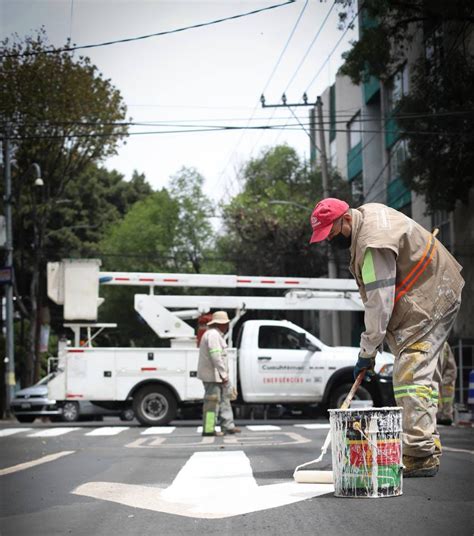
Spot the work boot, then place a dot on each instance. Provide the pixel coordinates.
(445, 421)
(234, 430)
(418, 467)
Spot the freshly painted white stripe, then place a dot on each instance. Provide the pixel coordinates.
(199, 429)
(39, 461)
(52, 432)
(262, 427)
(159, 430)
(108, 431)
(11, 431)
(211, 485)
(314, 426)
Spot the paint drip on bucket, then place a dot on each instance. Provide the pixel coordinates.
(367, 452)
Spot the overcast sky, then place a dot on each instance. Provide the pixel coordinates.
(207, 76)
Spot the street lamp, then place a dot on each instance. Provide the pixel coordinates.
(10, 380)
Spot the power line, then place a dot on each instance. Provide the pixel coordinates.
(148, 36)
(266, 85)
(335, 48)
(217, 128)
(311, 45)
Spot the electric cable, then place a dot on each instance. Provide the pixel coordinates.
(285, 47)
(148, 36)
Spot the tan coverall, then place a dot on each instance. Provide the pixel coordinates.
(411, 288)
(213, 370)
(448, 373)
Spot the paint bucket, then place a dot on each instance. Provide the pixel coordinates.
(367, 452)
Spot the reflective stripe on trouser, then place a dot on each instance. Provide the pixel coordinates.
(224, 415)
(416, 376)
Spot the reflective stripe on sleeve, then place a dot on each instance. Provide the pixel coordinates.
(368, 269)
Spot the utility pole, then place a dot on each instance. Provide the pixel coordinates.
(10, 381)
(332, 271)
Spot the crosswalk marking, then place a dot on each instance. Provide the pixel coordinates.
(314, 426)
(159, 430)
(52, 432)
(107, 431)
(262, 427)
(11, 431)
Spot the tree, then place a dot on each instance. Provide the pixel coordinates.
(60, 113)
(143, 241)
(435, 116)
(195, 210)
(267, 227)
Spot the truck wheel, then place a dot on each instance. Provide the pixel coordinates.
(70, 412)
(25, 418)
(339, 394)
(154, 405)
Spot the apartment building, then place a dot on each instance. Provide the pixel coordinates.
(364, 145)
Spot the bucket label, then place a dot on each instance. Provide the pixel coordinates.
(388, 453)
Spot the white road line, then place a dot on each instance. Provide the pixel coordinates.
(108, 431)
(450, 449)
(159, 430)
(314, 426)
(199, 429)
(39, 461)
(262, 427)
(53, 432)
(11, 431)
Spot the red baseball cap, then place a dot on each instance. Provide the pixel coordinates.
(325, 213)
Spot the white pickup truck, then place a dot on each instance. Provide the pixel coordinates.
(274, 361)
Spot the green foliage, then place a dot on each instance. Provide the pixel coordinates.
(142, 241)
(267, 225)
(387, 27)
(60, 113)
(440, 161)
(196, 236)
(440, 165)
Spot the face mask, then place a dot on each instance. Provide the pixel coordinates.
(341, 242)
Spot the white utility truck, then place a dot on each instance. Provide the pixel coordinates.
(274, 361)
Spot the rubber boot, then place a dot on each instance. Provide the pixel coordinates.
(209, 415)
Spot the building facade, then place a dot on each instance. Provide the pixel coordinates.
(365, 146)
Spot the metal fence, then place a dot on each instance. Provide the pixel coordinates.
(464, 353)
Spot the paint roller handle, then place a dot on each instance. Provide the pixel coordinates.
(352, 392)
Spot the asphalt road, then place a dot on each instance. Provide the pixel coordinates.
(128, 482)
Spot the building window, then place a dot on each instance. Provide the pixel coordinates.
(354, 130)
(357, 190)
(333, 157)
(397, 88)
(398, 154)
(442, 221)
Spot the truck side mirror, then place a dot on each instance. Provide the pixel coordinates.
(310, 346)
(306, 343)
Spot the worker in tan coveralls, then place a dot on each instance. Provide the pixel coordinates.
(213, 371)
(411, 289)
(448, 372)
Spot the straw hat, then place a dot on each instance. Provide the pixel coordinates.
(219, 317)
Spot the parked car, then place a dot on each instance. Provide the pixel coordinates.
(33, 402)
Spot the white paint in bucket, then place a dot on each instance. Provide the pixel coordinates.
(367, 452)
